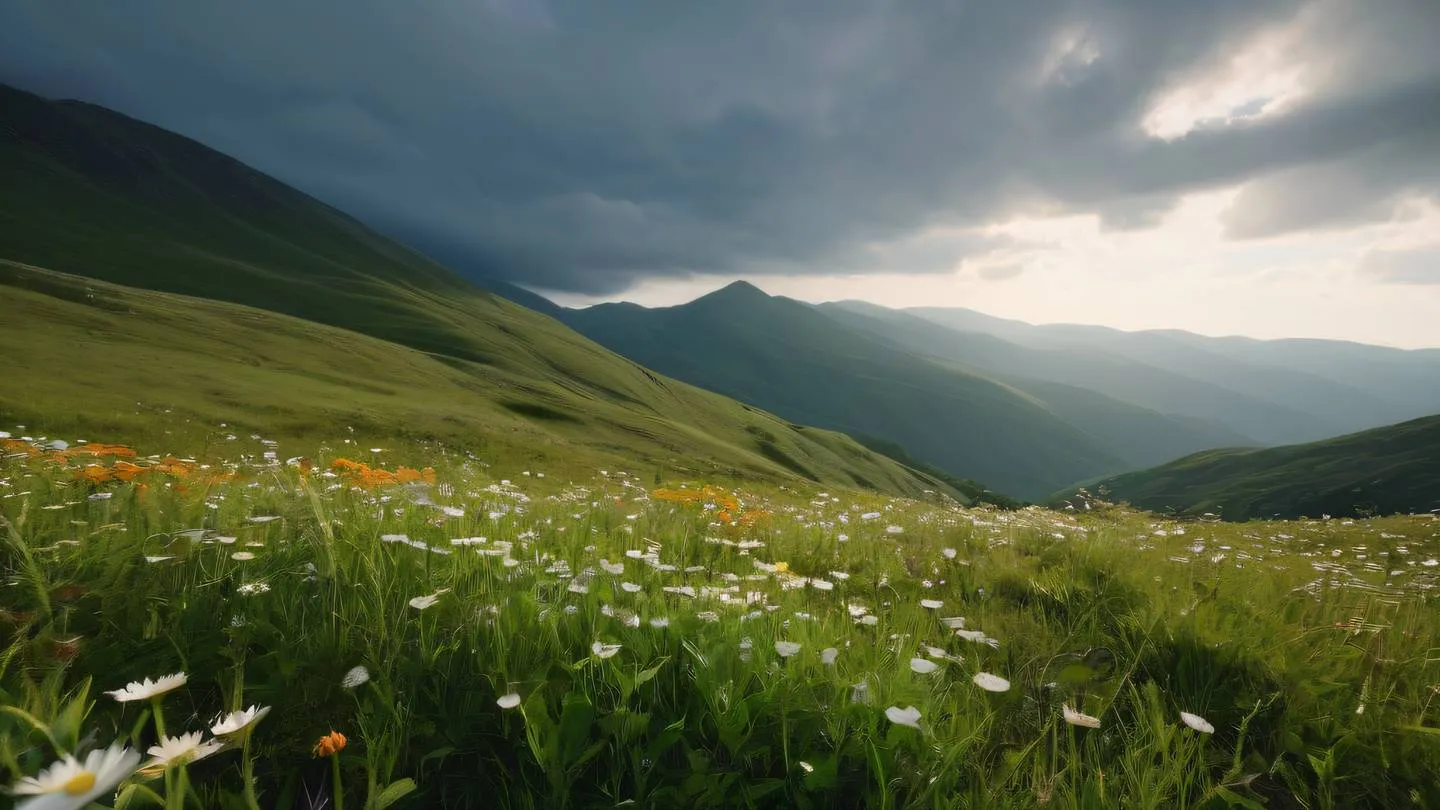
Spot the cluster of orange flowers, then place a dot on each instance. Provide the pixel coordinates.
(363, 475)
(108, 462)
(95, 449)
(729, 510)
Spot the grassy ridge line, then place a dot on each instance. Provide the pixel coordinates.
(80, 355)
(1387, 470)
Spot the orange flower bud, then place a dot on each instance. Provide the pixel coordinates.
(330, 744)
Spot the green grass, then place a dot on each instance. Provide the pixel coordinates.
(1388, 470)
(1308, 645)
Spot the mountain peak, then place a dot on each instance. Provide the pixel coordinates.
(736, 292)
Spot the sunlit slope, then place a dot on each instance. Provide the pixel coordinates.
(90, 355)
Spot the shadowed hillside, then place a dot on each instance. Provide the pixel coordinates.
(1388, 470)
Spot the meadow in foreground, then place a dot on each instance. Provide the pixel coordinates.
(248, 630)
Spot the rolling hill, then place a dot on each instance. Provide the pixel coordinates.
(788, 357)
(324, 323)
(1394, 469)
(1272, 391)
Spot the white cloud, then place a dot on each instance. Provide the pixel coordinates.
(1263, 78)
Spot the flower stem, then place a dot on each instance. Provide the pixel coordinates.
(335, 777)
(248, 774)
(159, 718)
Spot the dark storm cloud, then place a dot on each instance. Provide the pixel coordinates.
(577, 145)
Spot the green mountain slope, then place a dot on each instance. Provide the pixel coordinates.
(787, 357)
(92, 193)
(1141, 436)
(1387, 470)
(1276, 392)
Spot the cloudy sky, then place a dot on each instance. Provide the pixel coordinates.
(1226, 166)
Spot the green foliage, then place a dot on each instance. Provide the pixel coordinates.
(1317, 683)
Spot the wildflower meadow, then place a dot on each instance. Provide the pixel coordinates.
(418, 626)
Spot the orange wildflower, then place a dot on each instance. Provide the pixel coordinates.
(94, 474)
(17, 446)
(173, 467)
(100, 449)
(330, 744)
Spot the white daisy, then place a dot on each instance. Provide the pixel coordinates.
(509, 701)
(1197, 722)
(422, 602)
(235, 722)
(786, 648)
(603, 650)
(991, 683)
(921, 666)
(182, 750)
(828, 655)
(908, 716)
(142, 690)
(1076, 718)
(242, 556)
(70, 784)
(357, 676)
(931, 604)
(630, 587)
(941, 655)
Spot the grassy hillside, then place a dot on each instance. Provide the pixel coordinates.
(92, 193)
(87, 356)
(787, 357)
(1275, 392)
(600, 644)
(1387, 470)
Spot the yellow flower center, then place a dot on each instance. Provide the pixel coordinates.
(80, 783)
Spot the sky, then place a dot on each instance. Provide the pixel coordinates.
(1228, 167)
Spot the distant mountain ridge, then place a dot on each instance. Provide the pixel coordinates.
(795, 360)
(1388, 470)
(1274, 391)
